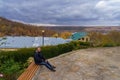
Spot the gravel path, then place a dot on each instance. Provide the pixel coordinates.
(85, 64)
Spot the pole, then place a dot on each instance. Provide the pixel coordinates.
(43, 37)
(43, 40)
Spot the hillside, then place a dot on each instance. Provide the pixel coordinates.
(102, 29)
(86, 64)
(12, 28)
(66, 28)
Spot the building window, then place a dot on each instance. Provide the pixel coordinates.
(82, 38)
(86, 39)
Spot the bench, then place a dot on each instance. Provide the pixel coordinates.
(29, 73)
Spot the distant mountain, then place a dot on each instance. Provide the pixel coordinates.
(16, 28)
(13, 28)
(66, 28)
(102, 29)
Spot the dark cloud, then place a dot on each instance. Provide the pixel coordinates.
(62, 12)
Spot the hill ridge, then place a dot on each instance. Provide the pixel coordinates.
(13, 28)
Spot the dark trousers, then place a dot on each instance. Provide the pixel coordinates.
(47, 64)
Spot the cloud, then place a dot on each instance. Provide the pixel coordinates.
(62, 12)
(110, 9)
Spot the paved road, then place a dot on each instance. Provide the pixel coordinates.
(85, 64)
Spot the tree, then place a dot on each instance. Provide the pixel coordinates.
(55, 35)
(109, 39)
(115, 37)
(65, 35)
(95, 38)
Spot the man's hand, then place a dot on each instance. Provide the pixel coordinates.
(46, 60)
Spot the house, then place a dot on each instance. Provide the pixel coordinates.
(81, 36)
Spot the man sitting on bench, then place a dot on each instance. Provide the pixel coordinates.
(40, 60)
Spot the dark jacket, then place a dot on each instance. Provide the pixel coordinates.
(38, 57)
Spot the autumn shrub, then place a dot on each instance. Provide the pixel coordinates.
(109, 39)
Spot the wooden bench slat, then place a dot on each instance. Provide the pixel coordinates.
(32, 73)
(29, 73)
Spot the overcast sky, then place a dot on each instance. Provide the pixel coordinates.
(62, 12)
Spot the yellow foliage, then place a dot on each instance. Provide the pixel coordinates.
(55, 35)
(99, 39)
(65, 35)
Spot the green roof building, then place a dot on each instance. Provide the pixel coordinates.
(81, 36)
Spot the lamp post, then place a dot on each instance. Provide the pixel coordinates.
(43, 31)
(56, 35)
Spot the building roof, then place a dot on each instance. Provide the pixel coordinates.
(78, 35)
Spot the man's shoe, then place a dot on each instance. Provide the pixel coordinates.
(53, 66)
(53, 70)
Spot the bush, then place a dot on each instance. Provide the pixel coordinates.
(79, 45)
(10, 69)
(21, 55)
(109, 39)
(50, 51)
(108, 45)
(15, 61)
